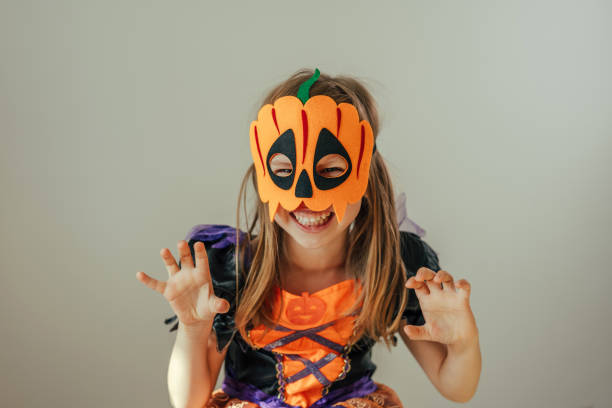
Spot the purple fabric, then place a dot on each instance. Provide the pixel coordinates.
(326, 342)
(222, 235)
(311, 368)
(248, 392)
(358, 389)
(311, 333)
(405, 223)
(299, 334)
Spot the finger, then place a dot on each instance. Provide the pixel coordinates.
(202, 271)
(222, 305)
(446, 279)
(431, 282)
(218, 305)
(417, 332)
(169, 261)
(424, 273)
(464, 287)
(153, 283)
(185, 254)
(433, 286)
(419, 287)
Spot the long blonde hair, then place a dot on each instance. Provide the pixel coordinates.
(373, 254)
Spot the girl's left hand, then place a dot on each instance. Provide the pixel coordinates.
(446, 308)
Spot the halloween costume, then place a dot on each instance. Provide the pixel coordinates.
(306, 360)
(309, 359)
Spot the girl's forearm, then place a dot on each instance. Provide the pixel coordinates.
(188, 374)
(460, 371)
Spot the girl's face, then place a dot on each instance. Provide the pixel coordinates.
(314, 229)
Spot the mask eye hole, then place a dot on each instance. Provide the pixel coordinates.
(281, 165)
(332, 166)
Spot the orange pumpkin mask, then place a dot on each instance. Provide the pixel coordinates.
(306, 130)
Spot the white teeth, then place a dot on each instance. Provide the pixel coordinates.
(308, 221)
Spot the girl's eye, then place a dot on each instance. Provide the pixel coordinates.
(281, 172)
(332, 172)
(332, 166)
(281, 165)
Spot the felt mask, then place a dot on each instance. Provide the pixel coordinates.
(305, 133)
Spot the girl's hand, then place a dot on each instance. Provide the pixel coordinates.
(446, 308)
(188, 290)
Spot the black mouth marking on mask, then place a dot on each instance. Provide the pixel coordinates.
(285, 144)
(327, 143)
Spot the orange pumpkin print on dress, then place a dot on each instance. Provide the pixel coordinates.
(310, 342)
(305, 130)
(305, 310)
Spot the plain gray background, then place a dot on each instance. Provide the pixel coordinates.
(125, 123)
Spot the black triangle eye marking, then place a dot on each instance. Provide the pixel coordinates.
(327, 143)
(285, 144)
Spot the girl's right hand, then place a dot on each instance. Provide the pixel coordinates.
(188, 289)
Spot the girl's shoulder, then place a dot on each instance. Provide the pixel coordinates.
(220, 242)
(416, 253)
(215, 235)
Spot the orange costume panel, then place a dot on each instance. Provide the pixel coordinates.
(311, 338)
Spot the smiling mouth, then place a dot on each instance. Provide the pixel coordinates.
(309, 219)
(312, 219)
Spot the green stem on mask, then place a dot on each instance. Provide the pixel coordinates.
(304, 91)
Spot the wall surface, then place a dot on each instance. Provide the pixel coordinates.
(125, 123)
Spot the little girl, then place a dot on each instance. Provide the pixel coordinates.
(321, 274)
